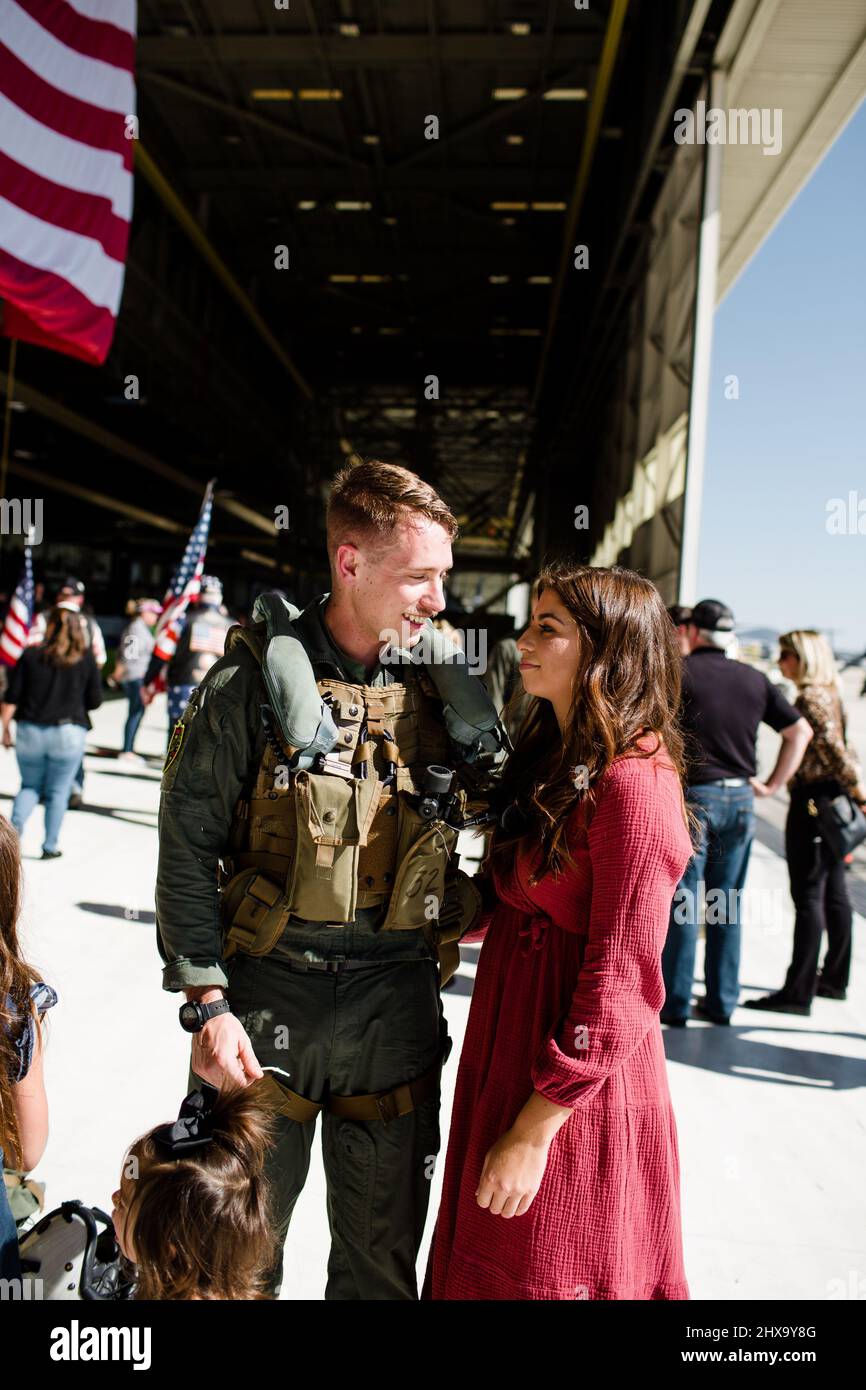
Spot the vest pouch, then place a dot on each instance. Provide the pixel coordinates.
(423, 854)
(254, 913)
(334, 816)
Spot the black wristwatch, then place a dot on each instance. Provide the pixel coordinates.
(193, 1016)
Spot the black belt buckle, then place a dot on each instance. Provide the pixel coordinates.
(329, 966)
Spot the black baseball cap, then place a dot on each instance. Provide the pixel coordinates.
(679, 615)
(712, 615)
(75, 586)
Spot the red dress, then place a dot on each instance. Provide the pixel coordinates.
(566, 1001)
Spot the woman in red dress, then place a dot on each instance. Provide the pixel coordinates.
(562, 1170)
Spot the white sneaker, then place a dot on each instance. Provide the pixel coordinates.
(131, 758)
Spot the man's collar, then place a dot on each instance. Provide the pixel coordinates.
(322, 646)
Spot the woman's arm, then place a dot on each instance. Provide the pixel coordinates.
(829, 745)
(7, 714)
(31, 1107)
(485, 887)
(636, 854)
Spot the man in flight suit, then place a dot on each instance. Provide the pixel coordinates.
(347, 1009)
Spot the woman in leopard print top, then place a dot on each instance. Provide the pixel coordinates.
(827, 756)
(817, 879)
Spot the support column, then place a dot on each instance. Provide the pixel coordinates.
(699, 403)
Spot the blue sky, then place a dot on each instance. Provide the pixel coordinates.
(793, 329)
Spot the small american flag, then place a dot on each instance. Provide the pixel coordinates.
(67, 118)
(19, 618)
(185, 584)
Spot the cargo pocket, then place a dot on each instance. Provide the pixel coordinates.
(353, 1208)
(334, 817)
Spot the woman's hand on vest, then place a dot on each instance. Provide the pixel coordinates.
(222, 1054)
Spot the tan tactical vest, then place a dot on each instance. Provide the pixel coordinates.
(320, 845)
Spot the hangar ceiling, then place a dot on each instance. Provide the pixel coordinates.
(429, 311)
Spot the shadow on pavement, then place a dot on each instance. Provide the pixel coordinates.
(129, 914)
(735, 1052)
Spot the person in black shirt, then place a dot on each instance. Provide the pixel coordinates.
(50, 691)
(724, 702)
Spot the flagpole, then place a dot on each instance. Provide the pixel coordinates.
(7, 416)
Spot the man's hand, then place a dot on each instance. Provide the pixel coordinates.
(7, 738)
(223, 1054)
(762, 788)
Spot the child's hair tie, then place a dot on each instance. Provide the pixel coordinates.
(193, 1127)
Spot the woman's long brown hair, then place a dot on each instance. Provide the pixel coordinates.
(627, 684)
(16, 977)
(65, 640)
(202, 1225)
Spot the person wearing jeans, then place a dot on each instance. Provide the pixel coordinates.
(714, 880)
(70, 596)
(817, 876)
(724, 702)
(49, 756)
(50, 691)
(134, 652)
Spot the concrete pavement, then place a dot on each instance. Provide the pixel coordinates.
(770, 1112)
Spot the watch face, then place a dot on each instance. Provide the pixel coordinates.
(189, 1017)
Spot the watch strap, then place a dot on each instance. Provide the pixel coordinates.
(212, 1010)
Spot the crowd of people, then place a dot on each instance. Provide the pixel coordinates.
(627, 797)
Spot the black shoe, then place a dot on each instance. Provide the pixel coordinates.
(51, 853)
(673, 1022)
(702, 1011)
(779, 1004)
(830, 991)
(75, 802)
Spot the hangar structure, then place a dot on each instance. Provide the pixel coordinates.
(464, 235)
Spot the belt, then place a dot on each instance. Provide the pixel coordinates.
(724, 782)
(335, 966)
(376, 1105)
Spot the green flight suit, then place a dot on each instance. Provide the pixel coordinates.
(361, 1028)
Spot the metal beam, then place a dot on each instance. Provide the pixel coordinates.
(181, 213)
(96, 499)
(115, 444)
(500, 111)
(613, 35)
(699, 403)
(497, 181)
(290, 52)
(597, 342)
(254, 118)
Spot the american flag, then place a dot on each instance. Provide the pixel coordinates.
(185, 584)
(67, 117)
(19, 618)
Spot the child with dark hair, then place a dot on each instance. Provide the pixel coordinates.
(192, 1212)
(24, 998)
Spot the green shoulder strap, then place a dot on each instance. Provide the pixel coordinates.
(305, 721)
